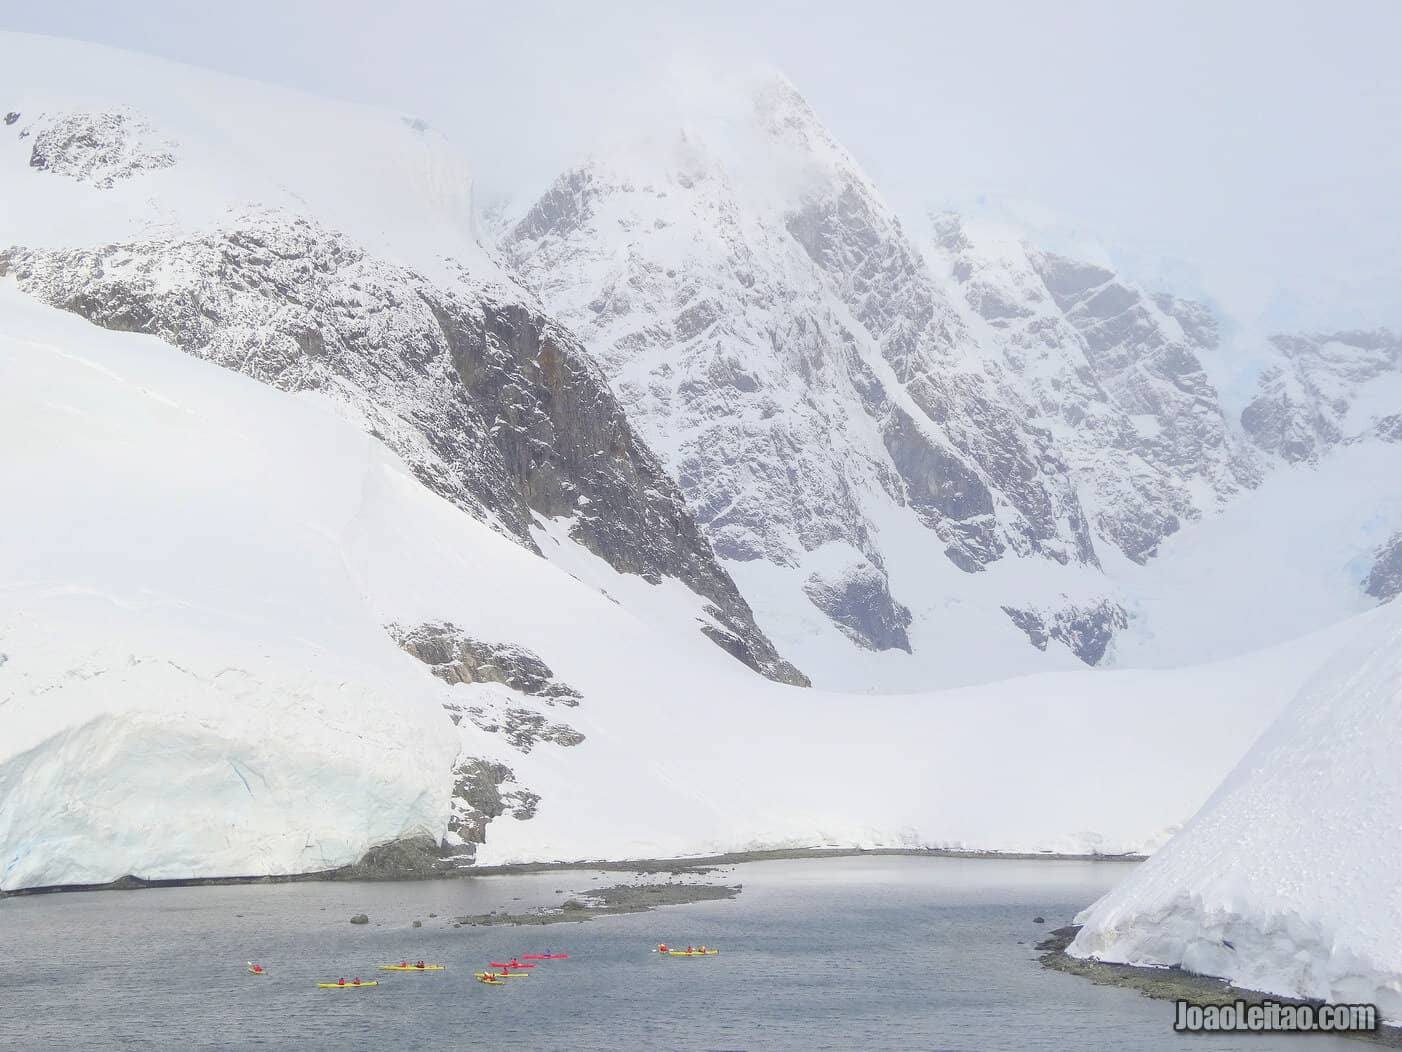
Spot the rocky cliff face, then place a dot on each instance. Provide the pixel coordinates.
(1384, 580)
(485, 789)
(1113, 374)
(787, 351)
(1326, 388)
(490, 403)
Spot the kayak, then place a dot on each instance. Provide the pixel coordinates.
(257, 971)
(499, 975)
(347, 986)
(499, 964)
(691, 953)
(411, 968)
(490, 982)
(544, 956)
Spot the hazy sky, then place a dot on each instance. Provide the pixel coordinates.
(1261, 142)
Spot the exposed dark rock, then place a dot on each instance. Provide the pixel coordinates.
(455, 657)
(1281, 422)
(990, 445)
(484, 790)
(99, 147)
(11, 117)
(360, 918)
(1384, 581)
(859, 602)
(1086, 631)
(1302, 404)
(522, 728)
(1145, 367)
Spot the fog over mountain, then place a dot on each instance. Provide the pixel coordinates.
(1253, 144)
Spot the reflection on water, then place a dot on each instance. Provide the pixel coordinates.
(888, 952)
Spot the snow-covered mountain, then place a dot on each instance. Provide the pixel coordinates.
(239, 636)
(831, 419)
(338, 534)
(1114, 373)
(1286, 880)
(918, 454)
(194, 207)
(1321, 390)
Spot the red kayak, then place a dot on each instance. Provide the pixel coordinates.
(499, 964)
(544, 956)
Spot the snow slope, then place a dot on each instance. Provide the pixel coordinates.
(1295, 551)
(383, 179)
(1286, 880)
(197, 679)
(319, 246)
(188, 685)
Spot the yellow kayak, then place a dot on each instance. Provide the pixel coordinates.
(490, 982)
(411, 968)
(691, 953)
(347, 986)
(499, 975)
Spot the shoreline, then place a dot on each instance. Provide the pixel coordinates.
(1171, 984)
(389, 864)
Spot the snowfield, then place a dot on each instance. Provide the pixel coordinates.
(189, 685)
(206, 144)
(197, 679)
(1286, 880)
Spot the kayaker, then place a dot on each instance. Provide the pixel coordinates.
(515, 963)
(343, 981)
(703, 948)
(661, 947)
(357, 981)
(690, 950)
(404, 964)
(420, 965)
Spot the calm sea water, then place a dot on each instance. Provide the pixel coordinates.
(842, 954)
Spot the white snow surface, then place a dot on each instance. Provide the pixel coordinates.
(384, 179)
(192, 683)
(1286, 880)
(197, 681)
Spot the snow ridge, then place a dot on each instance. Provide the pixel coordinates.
(1285, 881)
